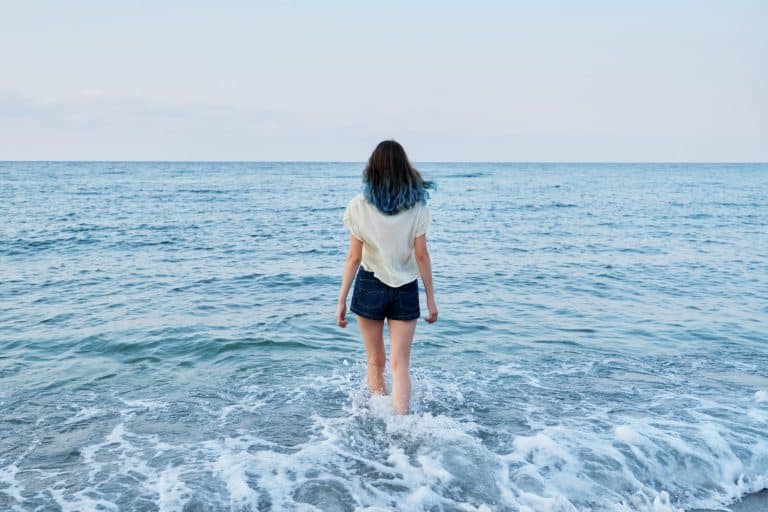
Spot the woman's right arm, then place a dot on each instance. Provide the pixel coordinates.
(425, 268)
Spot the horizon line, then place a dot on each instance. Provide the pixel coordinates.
(415, 161)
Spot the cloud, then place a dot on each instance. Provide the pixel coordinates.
(94, 125)
(14, 104)
(91, 93)
(95, 104)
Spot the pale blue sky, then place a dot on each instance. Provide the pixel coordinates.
(326, 80)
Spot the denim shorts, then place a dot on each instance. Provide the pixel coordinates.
(375, 300)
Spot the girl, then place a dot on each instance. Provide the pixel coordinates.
(388, 222)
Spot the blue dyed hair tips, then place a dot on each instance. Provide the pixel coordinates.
(390, 182)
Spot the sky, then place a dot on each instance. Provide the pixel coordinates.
(543, 80)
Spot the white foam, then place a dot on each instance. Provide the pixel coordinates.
(627, 434)
(8, 477)
(761, 395)
(79, 501)
(8, 474)
(172, 492)
(432, 469)
(373, 459)
(117, 435)
(145, 404)
(124, 453)
(232, 466)
(757, 414)
(661, 503)
(540, 447)
(249, 405)
(85, 413)
(381, 406)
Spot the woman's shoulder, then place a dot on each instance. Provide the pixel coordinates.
(359, 198)
(360, 203)
(355, 205)
(420, 207)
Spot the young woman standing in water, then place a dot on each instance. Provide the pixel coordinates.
(388, 222)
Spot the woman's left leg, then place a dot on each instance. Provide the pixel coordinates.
(400, 340)
(372, 332)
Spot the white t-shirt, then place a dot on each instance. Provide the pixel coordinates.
(387, 239)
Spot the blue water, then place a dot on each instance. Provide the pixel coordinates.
(168, 341)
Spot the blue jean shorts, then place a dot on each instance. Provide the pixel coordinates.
(375, 300)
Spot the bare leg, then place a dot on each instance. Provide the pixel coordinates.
(373, 337)
(400, 339)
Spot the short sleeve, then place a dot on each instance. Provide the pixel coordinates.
(349, 221)
(423, 222)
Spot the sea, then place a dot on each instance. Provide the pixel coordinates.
(168, 340)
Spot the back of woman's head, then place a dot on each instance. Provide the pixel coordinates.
(390, 182)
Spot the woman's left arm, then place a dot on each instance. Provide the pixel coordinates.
(350, 268)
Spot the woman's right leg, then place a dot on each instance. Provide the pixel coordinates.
(373, 337)
(400, 340)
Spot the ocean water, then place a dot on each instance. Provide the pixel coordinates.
(167, 341)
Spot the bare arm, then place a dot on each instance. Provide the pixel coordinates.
(425, 268)
(354, 256)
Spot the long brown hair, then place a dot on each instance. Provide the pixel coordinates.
(391, 183)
